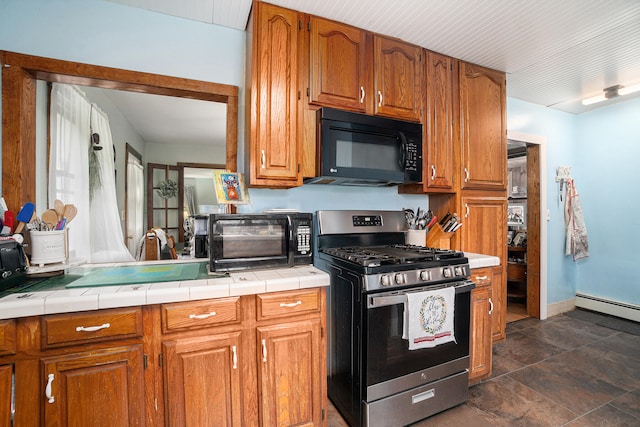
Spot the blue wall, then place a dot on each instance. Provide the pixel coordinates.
(602, 147)
(608, 181)
(560, 130)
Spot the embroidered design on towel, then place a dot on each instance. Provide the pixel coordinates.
(433, 315)
(429, 318)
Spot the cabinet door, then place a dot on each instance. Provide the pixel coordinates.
(439, 130)
(499, 299)
(274, 89)
(483, 128)
(484, 229)
(94, 388)
(203, 381)
(480, 350)
(397, 79)
(290, 373)
(6, 394)
(338, 65)
(484, 232)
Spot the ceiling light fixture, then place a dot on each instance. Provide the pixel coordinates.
(611, 92)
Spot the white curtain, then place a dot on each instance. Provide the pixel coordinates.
(190, 199)
(135, 202)
(68, 162)
(96, 232)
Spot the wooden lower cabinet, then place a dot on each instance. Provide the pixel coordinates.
(94, 388)
(203, 380)
(480, 346)
(499, 299)
(289, 367)
(6, 385)
(484, 232)
(235, 361)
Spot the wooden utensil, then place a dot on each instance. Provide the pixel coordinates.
(50, 218)
(70, 212)
(59, 208)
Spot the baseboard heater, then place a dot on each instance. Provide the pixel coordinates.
(607, 306)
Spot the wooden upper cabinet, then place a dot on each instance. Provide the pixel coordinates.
(439, 163)
(483, 128)
(273, 59)
(398, 79)
(338, 65)
(484, 230)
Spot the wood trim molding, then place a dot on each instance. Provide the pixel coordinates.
(19, 75)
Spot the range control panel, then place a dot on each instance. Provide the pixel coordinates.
(367, 220)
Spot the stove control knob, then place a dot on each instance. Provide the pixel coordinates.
(447, 273)
(459, 271)
(385, 280)
(425, 275)
(400, 279)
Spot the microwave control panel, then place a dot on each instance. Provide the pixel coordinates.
(304, 239)
(413, 161)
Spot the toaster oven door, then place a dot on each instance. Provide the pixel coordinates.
(242, 243)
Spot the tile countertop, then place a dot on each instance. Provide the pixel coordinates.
(59, 299)
(480, 260)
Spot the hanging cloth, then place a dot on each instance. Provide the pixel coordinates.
(577, 243)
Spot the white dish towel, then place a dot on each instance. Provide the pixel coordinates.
(428, 318)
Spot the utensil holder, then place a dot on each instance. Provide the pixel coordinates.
(49, 247)
(439, 239)
(416, 237)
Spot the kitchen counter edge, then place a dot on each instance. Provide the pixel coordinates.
(480, 260)
(250, 282)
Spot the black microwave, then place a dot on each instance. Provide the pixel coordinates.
(246, 241)
(358, 149)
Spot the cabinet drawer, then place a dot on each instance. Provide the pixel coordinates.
(7, 337)
(200, 314)
(77, 328)
(283, 304)
(482, 276)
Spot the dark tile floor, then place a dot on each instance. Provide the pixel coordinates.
(567, 370)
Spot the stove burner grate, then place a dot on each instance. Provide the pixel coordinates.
(398, 254)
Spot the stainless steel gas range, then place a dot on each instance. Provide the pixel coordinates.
(374, 379)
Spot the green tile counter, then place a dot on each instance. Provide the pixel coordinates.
(93, 287)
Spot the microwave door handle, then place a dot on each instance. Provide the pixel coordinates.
(403, 141)
(290, 249)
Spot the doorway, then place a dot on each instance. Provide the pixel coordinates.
(526, 241)
(134, 199)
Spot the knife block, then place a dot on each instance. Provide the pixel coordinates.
(438, 238)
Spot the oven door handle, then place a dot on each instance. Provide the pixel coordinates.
(386, 300)
(400, 298)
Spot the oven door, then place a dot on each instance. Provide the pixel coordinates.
(239, 242)
(390, 367)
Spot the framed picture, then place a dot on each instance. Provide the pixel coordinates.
(520, 239)
(230, 188)
(516, 215)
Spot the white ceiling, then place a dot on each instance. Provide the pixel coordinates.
(166, 120)
(554, 52)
